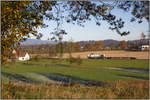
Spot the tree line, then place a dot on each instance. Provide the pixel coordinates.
(69, 47)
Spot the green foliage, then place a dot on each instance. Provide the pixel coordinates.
(19, 20)
(79, 60)
(36, 58)
(72, 60)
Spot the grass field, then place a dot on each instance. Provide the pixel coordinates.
(90, 73)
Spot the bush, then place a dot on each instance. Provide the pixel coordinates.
(55, 61)
(77, 60)
(36, 58)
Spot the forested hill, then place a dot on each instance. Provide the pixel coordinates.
(108, 42)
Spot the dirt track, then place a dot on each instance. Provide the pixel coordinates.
(137, 55)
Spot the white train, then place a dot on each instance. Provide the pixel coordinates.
(96, 56)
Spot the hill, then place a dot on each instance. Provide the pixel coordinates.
(36, 42)
(108, 42)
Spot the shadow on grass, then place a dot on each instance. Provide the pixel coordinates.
(57, 65)
(20, 78)
(46, 65)
(28, 64)
(67, 80)
(72, 80)
(135, 70)
(133, 77)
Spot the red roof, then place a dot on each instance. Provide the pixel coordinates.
(21, 54)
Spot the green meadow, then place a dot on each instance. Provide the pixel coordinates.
(90, 70)
(48, 78)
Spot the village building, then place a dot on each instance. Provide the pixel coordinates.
(23, 57)
(20, 56)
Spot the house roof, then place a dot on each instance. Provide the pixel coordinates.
(21, 54)
(14, 56)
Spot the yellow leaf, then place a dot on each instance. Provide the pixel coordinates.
(41, 26)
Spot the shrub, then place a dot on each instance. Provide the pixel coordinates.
(36, 58)
(77, 60)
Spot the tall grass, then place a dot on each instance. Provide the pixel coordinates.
(112, 90)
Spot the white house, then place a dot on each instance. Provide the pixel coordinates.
(24, 57)
(144, 47)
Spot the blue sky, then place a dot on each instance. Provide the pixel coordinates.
(93, 32)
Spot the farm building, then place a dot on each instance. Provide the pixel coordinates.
(20, 56)
(23, 57)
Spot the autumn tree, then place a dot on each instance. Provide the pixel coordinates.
(89, 46)
(143, 36)
(70, 46)
(60, 49)
(143, 39)
(65, 44)
(99, 45)
(20, 19)
(123, 44)
(77, 46)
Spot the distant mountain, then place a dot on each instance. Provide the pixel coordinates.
(36, 42)
(115, 43)
(108, 42)
(111, 43)
(146, 41)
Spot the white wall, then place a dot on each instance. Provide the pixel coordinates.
(26, 57)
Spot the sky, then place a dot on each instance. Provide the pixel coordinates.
(93, 32)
